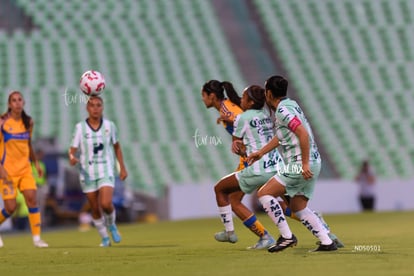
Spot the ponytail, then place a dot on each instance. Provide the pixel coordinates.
(26, 120)
(231, 92)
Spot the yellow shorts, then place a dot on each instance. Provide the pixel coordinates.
(9, 188)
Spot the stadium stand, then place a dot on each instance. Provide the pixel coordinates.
(349, 63)
(154, 71)
(354, 57)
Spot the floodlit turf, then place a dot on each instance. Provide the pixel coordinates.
(376, 244)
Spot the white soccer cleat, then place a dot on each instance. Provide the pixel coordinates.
(1, 242)
(40, 244)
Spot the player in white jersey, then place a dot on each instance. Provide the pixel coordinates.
(254, 128)
(302, 165)
(286, 198)
(96, 140)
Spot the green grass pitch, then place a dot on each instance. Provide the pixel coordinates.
(376, 244)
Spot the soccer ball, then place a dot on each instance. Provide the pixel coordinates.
(92, 83)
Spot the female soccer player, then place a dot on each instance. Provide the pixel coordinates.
(94, 139)
(212, 94)
(16, 155)
(302, 166)
(254, 127)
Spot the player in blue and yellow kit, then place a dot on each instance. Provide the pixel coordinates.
(16, 157)
(212, 94)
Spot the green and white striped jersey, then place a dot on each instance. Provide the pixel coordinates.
(96, 158)
(288, 117)
(256, 129)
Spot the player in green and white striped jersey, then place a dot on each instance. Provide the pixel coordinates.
(96, 160)
(254, 128)
(97, 141)
(272, 115)
(302, 165)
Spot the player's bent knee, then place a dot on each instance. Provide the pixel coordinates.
(107, 206)
(218, 189)
(10, 208)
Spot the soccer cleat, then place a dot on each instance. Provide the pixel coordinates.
(1, 242)
(223, 236)
(283, 243)
(324, 247)
(264, 242)
(40, 244)
(106, 242)
(334, 238)
(116, 237)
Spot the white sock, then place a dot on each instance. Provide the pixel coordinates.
(100, 226)
(314, 224)
(227, 217)
(110, 218)
(275, 212)
(325, 225)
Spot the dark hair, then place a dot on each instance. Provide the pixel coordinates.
(277, 85)
(218, 88)
(95, 97)
(25, 117)
(257, 94)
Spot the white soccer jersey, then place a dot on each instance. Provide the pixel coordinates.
(288, 116)
(256, 129)
(96, 158)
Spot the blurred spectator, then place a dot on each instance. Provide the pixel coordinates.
(366, 181)
(41, 183)
(21, 215)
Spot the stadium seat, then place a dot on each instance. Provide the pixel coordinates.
(340, 52)
(147, 72)
(360, 82)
